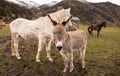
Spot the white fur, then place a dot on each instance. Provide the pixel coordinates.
(59, 44)
(40, 28)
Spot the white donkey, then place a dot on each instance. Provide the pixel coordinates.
(67, 41)
(40, 28)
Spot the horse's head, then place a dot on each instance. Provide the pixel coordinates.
(104, 24)
(62, 15)
(59, 32)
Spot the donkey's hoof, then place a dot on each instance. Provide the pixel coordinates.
(38, 61)
(65, 70)
(51, 60)
(71, 69)
(83, 65)
(18, 58)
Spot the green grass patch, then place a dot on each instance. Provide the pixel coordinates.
(5, 31)
(102, 56)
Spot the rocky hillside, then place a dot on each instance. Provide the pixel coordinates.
(9, 9)
(26, 3)
(89, 13)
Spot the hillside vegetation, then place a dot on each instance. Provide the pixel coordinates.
(12, 10)
(89, 13)
(102, 57)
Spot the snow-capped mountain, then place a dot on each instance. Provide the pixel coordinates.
(52, 3)
(26, 3)
(83, 1)
(49, 4)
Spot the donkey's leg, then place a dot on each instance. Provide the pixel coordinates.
(70, 56)
(65, 59)
(79, 53)
(12, 44)
(48, 48)
(16, 42)
(40, 45)
(83, 56)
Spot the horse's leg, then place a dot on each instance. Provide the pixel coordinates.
(48, 48)
(89, 30)
(98, 33)
(12, 44)
(92, 32)
(16, 42)
(40, 45)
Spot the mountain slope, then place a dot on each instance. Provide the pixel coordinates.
(9, 9)
(89, 13)
(111, 10)
(26, 3)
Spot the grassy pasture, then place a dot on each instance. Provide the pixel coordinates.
(102, 57)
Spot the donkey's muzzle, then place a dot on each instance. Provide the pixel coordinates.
(59, 47)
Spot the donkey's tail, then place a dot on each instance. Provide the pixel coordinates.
(89, 30)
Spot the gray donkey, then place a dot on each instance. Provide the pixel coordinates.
(67, 41)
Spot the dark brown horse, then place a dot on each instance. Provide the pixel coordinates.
(97, 28)
(2, 24)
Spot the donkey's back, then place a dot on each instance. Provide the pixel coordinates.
(78, 38)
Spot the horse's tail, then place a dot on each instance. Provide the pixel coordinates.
(89, 30)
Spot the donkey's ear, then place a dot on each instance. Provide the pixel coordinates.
(65, 22)
(54, 22)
